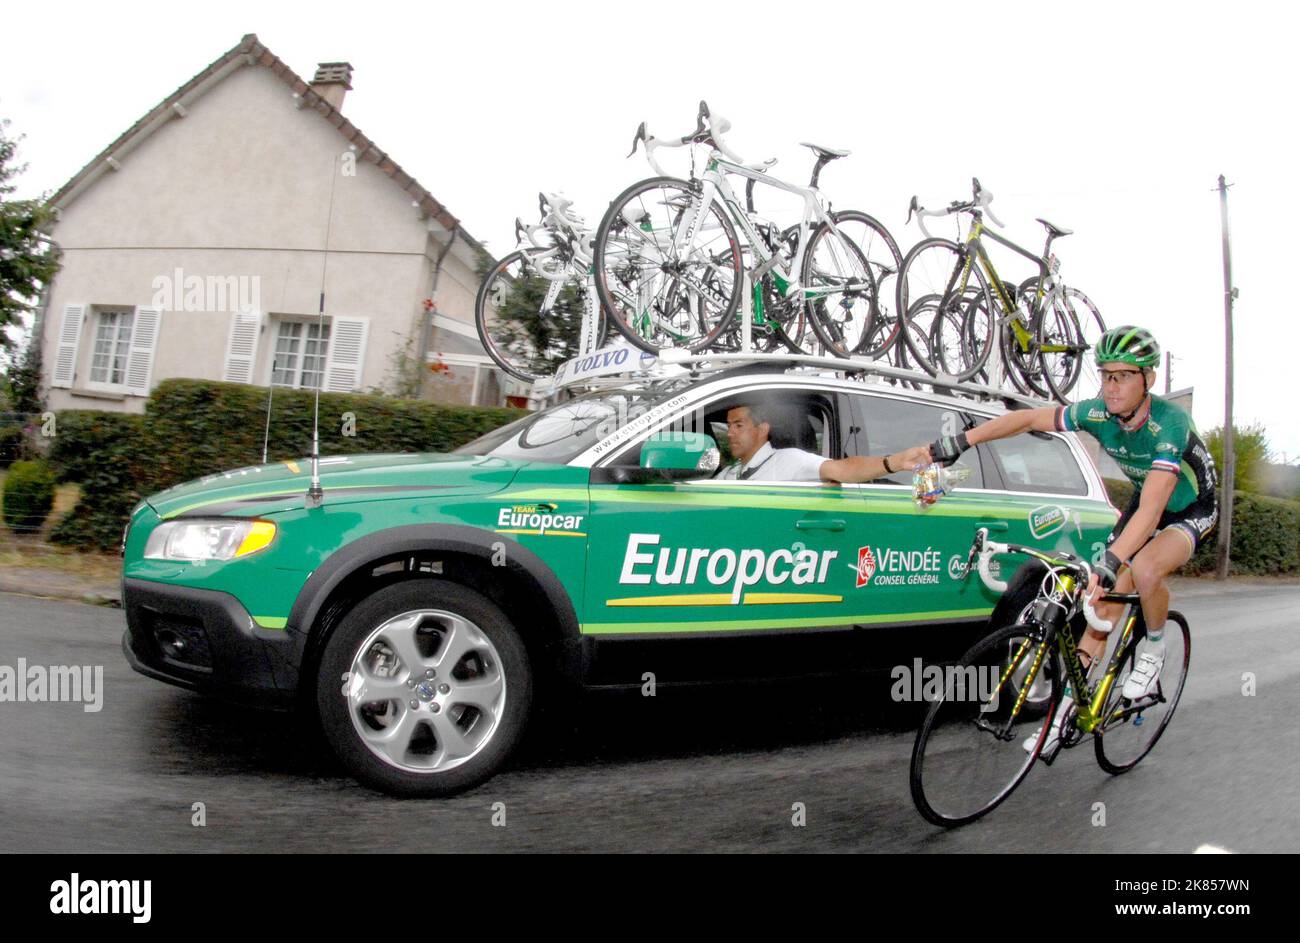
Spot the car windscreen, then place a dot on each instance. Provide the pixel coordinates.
(560, 433)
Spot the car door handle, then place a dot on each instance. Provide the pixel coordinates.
(819, 523)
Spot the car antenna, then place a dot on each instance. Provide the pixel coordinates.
(315, 494)
(270, 389)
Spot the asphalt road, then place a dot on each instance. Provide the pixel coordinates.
(696, 770)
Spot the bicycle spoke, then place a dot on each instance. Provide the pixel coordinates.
(970, 751)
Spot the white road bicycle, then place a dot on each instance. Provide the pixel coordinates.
(536, 307)
(669, 265)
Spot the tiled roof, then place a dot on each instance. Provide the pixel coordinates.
(251, 50)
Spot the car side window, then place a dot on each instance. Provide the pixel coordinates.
(799, 420)
(1040, 464)
(883, 425)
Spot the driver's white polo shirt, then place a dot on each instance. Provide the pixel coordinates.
(769, 464)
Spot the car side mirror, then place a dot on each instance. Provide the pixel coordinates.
(693, 451)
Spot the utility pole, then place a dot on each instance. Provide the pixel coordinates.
(1229, 445)
(1169, 372)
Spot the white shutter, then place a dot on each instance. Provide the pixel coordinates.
(347, 354)
(241, 348)
(65, 354)
(144, 338)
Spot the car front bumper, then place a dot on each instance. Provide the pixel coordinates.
(206, 641)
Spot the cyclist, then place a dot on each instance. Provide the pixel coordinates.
(1174, 506)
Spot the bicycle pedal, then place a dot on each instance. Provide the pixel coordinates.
(1049, 758)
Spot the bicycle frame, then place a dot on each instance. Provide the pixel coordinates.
(715, 188)
(1048, 284)
(1088, 713)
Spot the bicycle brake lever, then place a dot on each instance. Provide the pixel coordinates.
(637, 138)
(976, 547)
(912, 208)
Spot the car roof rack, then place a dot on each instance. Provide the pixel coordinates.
(676, 362)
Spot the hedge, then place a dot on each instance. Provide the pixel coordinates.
(109, 455)
(1265, 537)
(11, 443)
(1265, 533)
(192, 428)
(210, 427)
(28, 496)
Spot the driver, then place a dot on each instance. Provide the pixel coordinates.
(748, 428)
(1174, 505)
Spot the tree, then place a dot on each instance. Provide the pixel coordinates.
(1250, 448)
(21, 383)
(28, 260)
(540, 344)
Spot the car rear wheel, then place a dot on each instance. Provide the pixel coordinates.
(424, 689)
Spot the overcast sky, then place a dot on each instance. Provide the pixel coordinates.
(1112, 119)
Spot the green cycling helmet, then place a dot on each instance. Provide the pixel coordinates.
(1128, 344)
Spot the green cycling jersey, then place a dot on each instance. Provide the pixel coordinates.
(1166, 441)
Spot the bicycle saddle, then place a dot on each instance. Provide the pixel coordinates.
(826, 153)
(1054, 229)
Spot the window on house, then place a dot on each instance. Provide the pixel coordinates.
(300, 349)
(112, 347)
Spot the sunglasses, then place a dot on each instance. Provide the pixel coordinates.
(1118, 377)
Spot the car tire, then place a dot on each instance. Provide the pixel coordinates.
(424, 689)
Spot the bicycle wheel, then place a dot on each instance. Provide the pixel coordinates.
(840, 290)
(1131, 729)
(933, 301)
(885, 261)
(1076, 324)
(969, 754)
(524, 342)
(657, 296)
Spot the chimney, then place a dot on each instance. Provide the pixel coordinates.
(332, 81)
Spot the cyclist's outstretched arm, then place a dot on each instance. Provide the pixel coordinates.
(948, 448)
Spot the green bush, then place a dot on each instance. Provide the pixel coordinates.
(110, 456)
(1120, 491)
(11, 444)
(28, 496)
(208, 427)
(1265, 538)
(193, 428)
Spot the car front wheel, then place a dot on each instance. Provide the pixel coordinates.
(424, 689)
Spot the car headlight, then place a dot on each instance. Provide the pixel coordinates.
(211, 539)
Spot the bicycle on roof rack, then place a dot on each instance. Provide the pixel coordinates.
(670, 267)
(955, 308)
(536, 307)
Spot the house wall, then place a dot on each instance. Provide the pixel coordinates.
(242, 187)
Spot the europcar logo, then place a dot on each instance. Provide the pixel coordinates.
(1046, 520)
(539, 519)
(866, 566)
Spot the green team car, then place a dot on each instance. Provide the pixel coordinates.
(419, 607)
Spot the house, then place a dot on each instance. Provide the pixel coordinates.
(205, 241)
